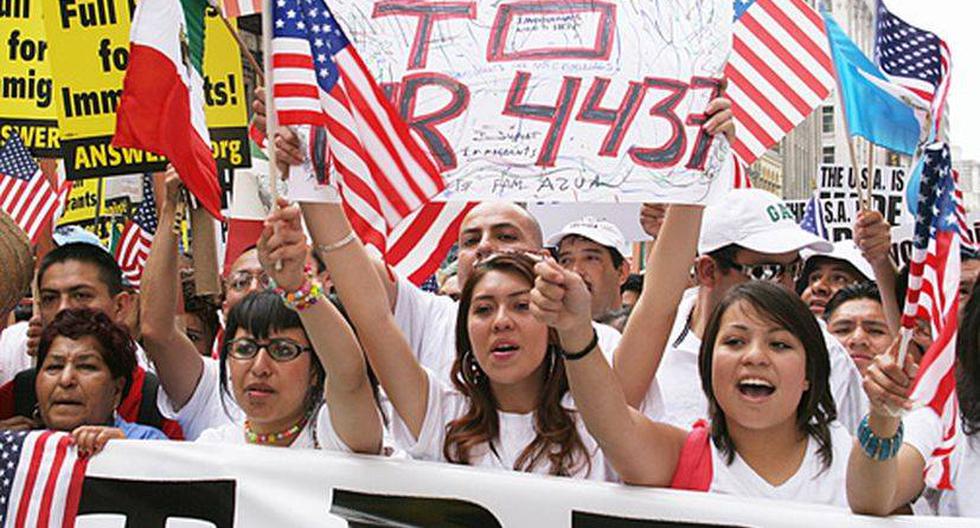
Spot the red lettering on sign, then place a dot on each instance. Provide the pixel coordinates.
(601, 48)
(557, 116)
(427, 15)
(618, 120)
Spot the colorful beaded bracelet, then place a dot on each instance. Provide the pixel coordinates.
(308, 294)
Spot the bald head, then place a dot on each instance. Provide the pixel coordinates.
(491, 227)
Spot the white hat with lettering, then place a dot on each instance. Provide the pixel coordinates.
(844, 251)
(599, 231)
(756, 220)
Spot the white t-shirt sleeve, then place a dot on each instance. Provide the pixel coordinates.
(923, 431)
(444, 405)
(204, 409)
(429, 324)
(13, 351)
(845, 384)
(326, 434)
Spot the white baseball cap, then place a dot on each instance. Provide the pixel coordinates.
(599, 231)
(844, 251)
(756, 220)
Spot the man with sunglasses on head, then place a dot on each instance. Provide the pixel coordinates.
(749, 235)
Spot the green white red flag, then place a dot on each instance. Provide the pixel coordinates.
(162, 106)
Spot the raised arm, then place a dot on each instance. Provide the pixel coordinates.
(872, 235)
(642, 451)
(645, 337)
(178, 365)
(879, 487)
(353, 411)
(363, 295)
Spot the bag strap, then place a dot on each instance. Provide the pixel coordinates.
(694, 470)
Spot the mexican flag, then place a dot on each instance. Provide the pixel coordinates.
(162, 106)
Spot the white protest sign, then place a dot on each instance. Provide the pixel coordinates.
(156, 484)
(554, 100)
(839, 200)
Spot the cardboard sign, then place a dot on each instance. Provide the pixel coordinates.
(554, 100)
(839, 200)
(89, 48)
(27, 95)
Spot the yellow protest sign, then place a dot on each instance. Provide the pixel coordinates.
(89, 47)
(27, 101)
(83, 201)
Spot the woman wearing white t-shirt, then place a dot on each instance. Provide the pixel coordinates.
(506, 406)
(764, 369)
(277, 350)
(884, 484)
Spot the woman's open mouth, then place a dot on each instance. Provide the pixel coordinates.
(755, 389)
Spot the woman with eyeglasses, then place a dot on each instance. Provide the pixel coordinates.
(506, 406)
(763, 367)
(268, 385)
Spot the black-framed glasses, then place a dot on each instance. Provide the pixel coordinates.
(242, 280)
(768, 271)
(279, 348)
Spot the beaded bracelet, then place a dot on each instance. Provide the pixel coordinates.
(308, 294)
(878, 448)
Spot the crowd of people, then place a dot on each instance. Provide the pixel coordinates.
(750, 357)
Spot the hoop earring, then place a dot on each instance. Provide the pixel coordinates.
(472, 372)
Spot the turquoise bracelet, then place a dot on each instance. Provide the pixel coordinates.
(878, 448)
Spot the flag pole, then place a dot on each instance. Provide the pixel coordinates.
(866, 197)
(252, 61)
(271, 119)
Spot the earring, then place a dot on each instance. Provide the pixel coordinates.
(472, 372)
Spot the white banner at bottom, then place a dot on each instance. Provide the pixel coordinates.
(180, 485)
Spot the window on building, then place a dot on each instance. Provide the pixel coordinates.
(827, 117)
(828, 156)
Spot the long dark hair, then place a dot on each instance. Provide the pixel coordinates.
(968, 370)
(816, 409)
(260, 314)
(557, 441)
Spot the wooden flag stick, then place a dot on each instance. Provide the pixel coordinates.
(207, 279)
(855, 169)
(866, 197)
(241, 43)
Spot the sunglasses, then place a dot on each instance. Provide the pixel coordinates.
(242, 280)
(279, 349)
(768, 271)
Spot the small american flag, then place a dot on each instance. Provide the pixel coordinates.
(137, 236)
(418, 246)
(779, 71)
(40, 479)
(914, 59)
(934, 277)
(319, 79)
(813, 219)
(25, 193)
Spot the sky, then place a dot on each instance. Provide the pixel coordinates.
(955, 21)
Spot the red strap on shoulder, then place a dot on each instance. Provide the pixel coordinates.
(129, 407)
(694, 470)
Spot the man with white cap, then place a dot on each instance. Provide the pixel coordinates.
(826, 273)
(595, 249)
(749, 235)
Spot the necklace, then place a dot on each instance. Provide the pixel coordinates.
(274, 438)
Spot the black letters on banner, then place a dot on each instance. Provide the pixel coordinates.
(595, 520)
(148, 504)
(369, 510)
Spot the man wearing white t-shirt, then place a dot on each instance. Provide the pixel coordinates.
(750, 235)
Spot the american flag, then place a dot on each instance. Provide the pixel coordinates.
(421, 242)
(137, 236)
(40, 479)
(915, 59)
(319, 79)
(779, 71)
(968, 245)
(933, 295)
(813, 219)
(25, 193)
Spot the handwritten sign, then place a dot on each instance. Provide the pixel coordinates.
(554, 100)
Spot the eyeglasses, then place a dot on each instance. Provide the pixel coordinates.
(768, 271)
(242, 280)
(279, 349)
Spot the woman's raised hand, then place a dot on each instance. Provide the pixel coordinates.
(887, 383)
(560, 298)
(283, 248)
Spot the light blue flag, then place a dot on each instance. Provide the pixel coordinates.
(872, 112)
